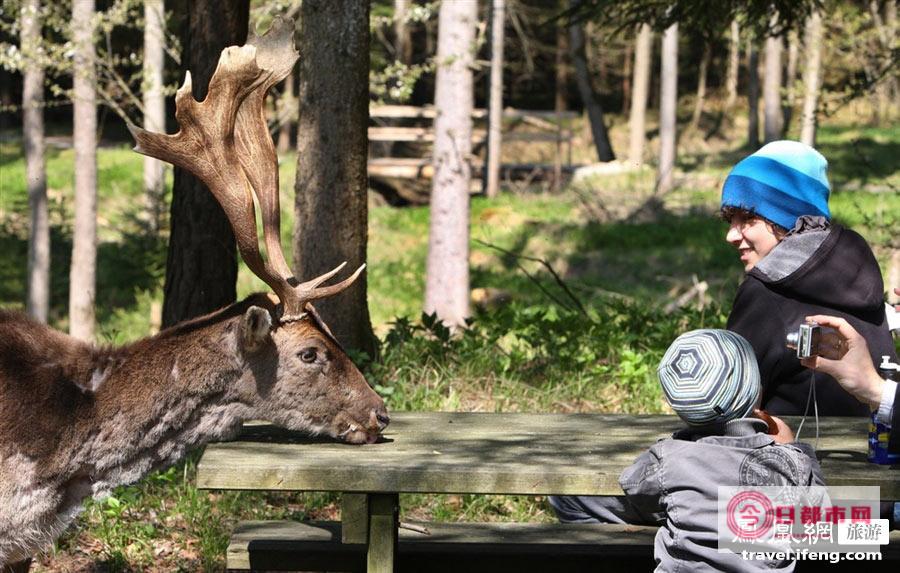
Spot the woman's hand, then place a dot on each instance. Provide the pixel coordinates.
(778, 429)
(854, 371)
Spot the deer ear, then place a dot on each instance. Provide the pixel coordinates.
(256, 325)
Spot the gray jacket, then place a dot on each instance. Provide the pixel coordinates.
(675, 484)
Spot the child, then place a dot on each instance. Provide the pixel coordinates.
(711, 380)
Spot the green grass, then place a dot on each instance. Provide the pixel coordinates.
(535, 353)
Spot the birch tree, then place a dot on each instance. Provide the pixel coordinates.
(154, 107)
(447, 267)
(403, 42)
(752, 94)
(586, 91)
(38, 299)
(790, 81)
(890, 18)
(637, 119)
(886, 31)
(561, 96)
(668, 107)
(734, 56)
(287, 113)
(495, 112)
(201, 268)
(330, 209)
(83, 272)
(812, 67)
(701, 86)
(774, 120)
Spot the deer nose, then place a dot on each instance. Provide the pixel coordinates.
(381, 417)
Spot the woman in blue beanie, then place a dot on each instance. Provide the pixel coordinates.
(798, 264)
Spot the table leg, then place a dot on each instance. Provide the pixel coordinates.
(384, 511)
(354, 518)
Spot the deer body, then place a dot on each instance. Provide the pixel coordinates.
(78, 421)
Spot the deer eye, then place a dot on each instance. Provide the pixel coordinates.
(308, 355)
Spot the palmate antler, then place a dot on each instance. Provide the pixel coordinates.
(224, 141)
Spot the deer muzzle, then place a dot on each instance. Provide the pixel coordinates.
(367, 428)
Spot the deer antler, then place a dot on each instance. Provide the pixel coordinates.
(225, 141)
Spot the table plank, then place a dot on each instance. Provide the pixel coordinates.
(464, 452)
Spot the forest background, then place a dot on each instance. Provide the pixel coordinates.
(575, 287)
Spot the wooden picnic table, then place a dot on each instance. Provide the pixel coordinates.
(482, 453)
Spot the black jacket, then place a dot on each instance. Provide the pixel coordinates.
(817, 269)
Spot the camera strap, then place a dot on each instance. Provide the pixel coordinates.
(810, 397)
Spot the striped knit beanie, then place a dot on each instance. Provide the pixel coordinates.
(781, 182)
(710, 376)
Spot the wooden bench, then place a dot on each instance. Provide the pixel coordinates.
(470, 547)
(434, 452)
(473, 548)
(542, 127)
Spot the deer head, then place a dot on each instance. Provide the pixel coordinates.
(225, 142)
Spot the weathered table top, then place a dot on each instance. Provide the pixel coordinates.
(442, 452)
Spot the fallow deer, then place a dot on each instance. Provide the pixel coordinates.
(77, 420)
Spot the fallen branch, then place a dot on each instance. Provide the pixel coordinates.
(698, 291)
(416, 528)
(550, 269)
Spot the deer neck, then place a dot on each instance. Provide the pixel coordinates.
(158, 399)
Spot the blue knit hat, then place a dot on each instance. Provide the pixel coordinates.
(781, 182)
(710, 376)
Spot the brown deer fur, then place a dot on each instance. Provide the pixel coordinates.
(77, 420)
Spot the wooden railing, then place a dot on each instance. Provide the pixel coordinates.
(542, 127)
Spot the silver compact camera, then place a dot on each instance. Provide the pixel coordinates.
(815, 340)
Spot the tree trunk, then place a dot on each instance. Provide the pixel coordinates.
(154, 107)
(626, 77)
(637, 120)
(701, 86)
(893, 276)
(447, 268)
(734, 55)
(495, 113)
(561, 102)
(890, 20)
(811, 78)
(330, 211)
(38, 302)
(752, 94)
(886, 33)
(201, 269)
(789, 81)
(287, 109)
(6, 84)
(403, 45)
(588, 98)
(774, 122)
(83, 273)
(668, 109)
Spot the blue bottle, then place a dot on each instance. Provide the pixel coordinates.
(879, 433)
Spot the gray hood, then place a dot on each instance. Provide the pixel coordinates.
(824, 263)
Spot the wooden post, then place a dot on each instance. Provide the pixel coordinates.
(383, 520)
(354, 518)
